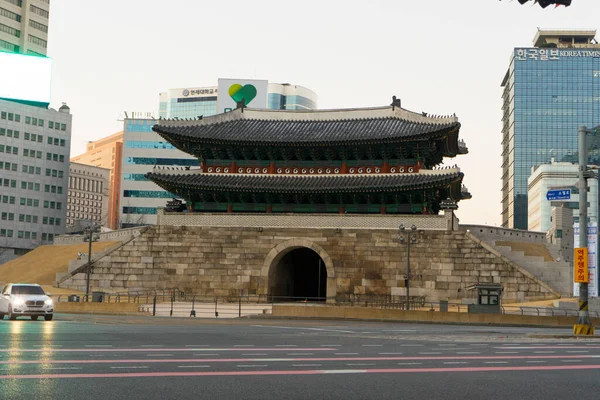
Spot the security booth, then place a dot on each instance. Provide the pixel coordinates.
(487, 298)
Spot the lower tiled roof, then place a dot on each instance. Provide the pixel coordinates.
(292, 184)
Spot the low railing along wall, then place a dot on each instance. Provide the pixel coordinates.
(493, 233)
(112, 236)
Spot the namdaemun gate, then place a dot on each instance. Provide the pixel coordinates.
(383, 160)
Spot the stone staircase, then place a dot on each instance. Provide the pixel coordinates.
(207, 310)
(538, 260)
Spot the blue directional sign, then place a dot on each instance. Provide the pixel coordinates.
(561, 194)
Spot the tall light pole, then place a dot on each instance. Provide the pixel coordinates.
(584, 324)
(89, 231)
(408, 237)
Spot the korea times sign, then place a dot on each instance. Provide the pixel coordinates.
(592, 258)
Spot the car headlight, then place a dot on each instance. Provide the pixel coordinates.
(48, 302)
(18, 302)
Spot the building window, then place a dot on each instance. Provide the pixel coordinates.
(38, 26)
(39, 11)
(9, 14)
(37, 41)
(9, 46)
(10, 30)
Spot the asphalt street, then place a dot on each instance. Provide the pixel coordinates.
(108, 357)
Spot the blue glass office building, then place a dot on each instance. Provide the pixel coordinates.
(549, 91)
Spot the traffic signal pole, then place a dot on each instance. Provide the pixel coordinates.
(584, 324)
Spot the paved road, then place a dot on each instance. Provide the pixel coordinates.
(105, 357)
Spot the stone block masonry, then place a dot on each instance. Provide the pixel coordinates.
(222, 261)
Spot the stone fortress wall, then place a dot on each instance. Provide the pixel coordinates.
(223, 260)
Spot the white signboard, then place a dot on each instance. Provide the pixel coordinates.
(592, 258)
(24, 77)
(232, 91)
(550, 54)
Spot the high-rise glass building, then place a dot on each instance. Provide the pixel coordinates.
(24, 26)
(549, 91)
(202, 101)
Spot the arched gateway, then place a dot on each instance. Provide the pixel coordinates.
(298, 269)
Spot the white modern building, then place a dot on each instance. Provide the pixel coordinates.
(24, 26)
(556, 176)
(193, 102)
(88, 196)
(34, 169)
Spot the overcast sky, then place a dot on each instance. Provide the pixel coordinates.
(438, 56)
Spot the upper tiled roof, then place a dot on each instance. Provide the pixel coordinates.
(307, 127)
(299, 184)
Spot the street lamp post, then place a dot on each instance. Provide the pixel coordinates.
(584, 324)
(408, 237)
(89, 231)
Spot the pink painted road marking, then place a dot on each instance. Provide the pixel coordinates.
(288, 359)
(153, 350)
(304, 372)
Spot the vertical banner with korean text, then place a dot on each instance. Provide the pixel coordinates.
(592, 258)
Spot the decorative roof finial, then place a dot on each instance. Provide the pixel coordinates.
(395, 102)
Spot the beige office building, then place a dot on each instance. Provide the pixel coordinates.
(24, 26)
(88, 196)
(107, 153)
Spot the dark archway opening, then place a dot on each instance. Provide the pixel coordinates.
(299, 275)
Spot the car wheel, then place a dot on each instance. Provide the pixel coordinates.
(10, 314)
(34, 317)
(48, 317)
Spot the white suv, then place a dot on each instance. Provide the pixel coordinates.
(27, 300)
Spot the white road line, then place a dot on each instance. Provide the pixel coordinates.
(543, 352)
(410, 363)
(254, 354)
(96, 355)
(455, 362)
(359, 364)
(132, 367)
(300, 354)
(251, 365)
(299, 328)
(345, 354)
(578, 351)
(495, 362)
(159, 355)
(535, 362)
(383, 354)
(468, 352)
(411, 345)
(201, 354)
(306, 365)
(193, 366)
(372, 345)
(431, 352)
(571, 360)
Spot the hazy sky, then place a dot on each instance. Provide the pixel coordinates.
(438, 56)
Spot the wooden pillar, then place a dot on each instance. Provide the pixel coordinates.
(272, 167)
(385, 167)
(382, 209)
(233, 168)
(202, 165)
(344, 169)
(229, 208)
(342, 210)
(269, 209)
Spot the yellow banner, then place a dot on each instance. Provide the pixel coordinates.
(580, 264)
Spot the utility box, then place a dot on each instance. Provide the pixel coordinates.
(74, 298)
(443, 305)
(487, 298)
(97, 297)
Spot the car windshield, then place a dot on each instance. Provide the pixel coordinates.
(27, 290)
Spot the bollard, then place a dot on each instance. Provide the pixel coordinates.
(154, 307)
